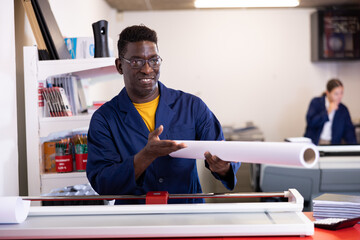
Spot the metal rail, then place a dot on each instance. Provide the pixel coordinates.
(171, 196)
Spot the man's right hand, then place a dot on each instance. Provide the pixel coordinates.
(154, 148)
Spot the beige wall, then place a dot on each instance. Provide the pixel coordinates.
(247, 65)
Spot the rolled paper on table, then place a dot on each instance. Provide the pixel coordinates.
(279, 153)
(13, 209)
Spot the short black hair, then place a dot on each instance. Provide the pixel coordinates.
(135, 33)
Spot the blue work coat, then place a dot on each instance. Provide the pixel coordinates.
(342, 127)
(117, 132)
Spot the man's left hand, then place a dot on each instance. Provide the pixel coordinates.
(217, 165)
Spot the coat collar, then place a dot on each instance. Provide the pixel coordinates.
(323, 99)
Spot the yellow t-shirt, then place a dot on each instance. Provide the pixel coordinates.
(147, 112)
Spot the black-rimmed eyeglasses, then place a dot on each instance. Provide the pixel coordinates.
(154, 62)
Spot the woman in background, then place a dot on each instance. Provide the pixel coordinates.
(328, 120)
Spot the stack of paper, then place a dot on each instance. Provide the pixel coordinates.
(336, 206)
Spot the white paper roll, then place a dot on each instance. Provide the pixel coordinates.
(13, 209)
(282, 153)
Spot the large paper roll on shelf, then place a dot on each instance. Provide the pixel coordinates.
(281, 153)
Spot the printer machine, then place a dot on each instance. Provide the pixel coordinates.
(337, 171)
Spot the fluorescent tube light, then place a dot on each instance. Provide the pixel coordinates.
(244, 3)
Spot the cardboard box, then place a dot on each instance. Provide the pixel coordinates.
(49, 156)
(84, 47)
(81, 47)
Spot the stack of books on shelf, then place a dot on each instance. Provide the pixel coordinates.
(336, 206)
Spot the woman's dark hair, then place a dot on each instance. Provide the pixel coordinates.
(333, 83)
(135, 33)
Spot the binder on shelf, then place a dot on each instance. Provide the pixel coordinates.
(81, 96)
(45, 35)
(43, 52)
(69, 83)
(50, 31)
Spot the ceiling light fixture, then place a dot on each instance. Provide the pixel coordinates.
(244, 3)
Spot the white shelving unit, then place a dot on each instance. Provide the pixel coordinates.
(62, 124)
(38, 127)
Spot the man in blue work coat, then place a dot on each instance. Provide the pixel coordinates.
(131, 136)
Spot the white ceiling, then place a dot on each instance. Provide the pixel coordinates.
(148, 5)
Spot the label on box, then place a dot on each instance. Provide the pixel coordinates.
(64, 163)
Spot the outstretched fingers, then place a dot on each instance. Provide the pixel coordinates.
(156, 133)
